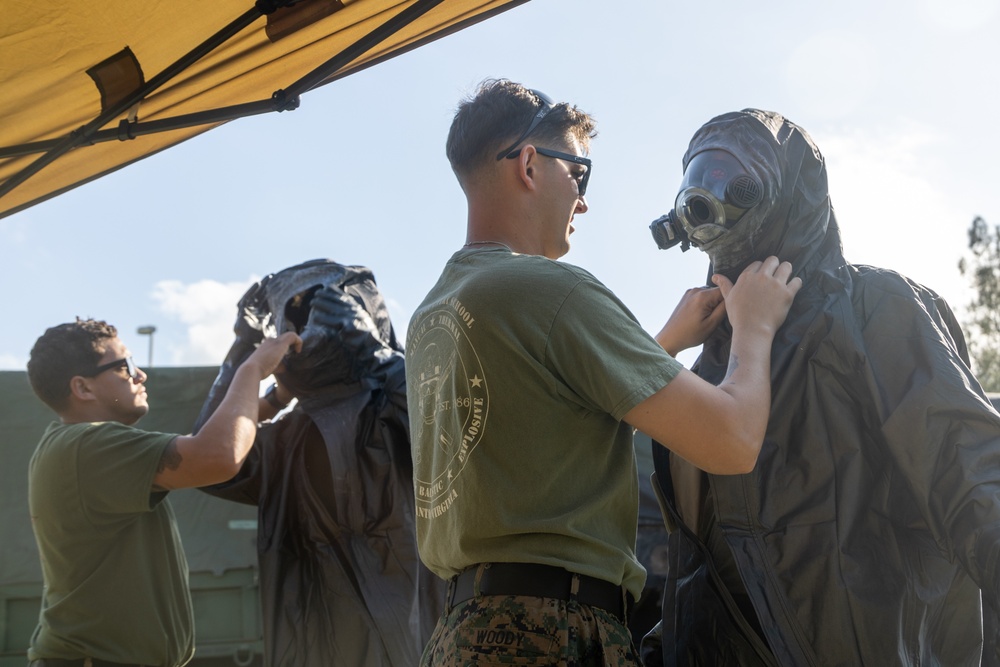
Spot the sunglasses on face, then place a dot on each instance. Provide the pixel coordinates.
(130, 368)
(581, 179)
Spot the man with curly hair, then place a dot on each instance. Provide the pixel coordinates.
(116, 590)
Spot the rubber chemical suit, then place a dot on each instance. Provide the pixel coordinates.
(341, 582)
(872, 518)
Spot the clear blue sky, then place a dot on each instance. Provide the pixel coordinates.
(900, 95)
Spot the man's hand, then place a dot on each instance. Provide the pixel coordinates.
(721, 428)
(696, 315)
(761, 297)
(270, 354)
(218, 450)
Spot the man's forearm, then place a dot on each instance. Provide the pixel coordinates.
(748, 381)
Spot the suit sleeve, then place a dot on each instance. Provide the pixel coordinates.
(939, 430)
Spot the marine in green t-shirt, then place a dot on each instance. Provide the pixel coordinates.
(115, 575)
(111, 557)
(525, 379)
(536, 398)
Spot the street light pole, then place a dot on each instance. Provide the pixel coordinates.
(148, 331)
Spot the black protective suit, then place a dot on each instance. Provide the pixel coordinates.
(341, 582)
(872, 518)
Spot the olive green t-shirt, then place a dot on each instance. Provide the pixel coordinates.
(519, 370)
(115, 574)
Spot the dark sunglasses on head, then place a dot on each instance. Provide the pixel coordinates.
(547, 106)
(127, 363)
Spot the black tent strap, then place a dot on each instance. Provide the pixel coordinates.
(271, 6)
(81, 136)
(286, 99)
(281, 100)
(130, 130)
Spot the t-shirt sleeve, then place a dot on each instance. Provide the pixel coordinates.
(115, 468)
(602, 353)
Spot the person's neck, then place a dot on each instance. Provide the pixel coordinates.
(78, 415)
(487, 243)
(497, 219)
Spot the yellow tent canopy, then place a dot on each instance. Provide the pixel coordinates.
(89, 87)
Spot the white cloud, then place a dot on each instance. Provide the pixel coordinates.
(207, 308)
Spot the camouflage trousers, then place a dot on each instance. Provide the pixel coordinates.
(494, 630)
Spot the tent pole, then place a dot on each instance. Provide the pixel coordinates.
(356, 50)
(130, 130)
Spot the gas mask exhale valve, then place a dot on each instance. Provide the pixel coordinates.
(715, 194)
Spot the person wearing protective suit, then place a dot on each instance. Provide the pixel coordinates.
(870, 526)
(341, 582)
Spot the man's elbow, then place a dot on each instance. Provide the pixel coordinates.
(741, 456)
(722, 456)
(224, 465)
(218, 472)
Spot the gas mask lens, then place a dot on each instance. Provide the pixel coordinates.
(715, 193)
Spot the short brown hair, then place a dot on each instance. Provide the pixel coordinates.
(497, 114)
(63, 352)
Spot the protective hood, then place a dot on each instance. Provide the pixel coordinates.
(283, 302)
(340, 578)
(794, 213)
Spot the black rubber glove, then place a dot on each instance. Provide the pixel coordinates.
(341, 344)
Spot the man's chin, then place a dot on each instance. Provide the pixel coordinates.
(137, 414)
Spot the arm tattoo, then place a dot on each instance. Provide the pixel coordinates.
(734, 363)
(170, 460)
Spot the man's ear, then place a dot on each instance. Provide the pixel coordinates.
(526, 166)
(79, 388)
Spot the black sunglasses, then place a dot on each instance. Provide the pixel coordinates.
(127, 363)
(547, 106)
(581, 184)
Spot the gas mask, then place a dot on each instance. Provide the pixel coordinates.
(715, 194)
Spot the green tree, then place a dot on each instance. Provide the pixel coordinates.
(982, 321)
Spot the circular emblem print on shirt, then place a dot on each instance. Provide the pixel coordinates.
(452, 404)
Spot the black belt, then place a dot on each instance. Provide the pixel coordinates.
(543, 581)
(77, 662)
